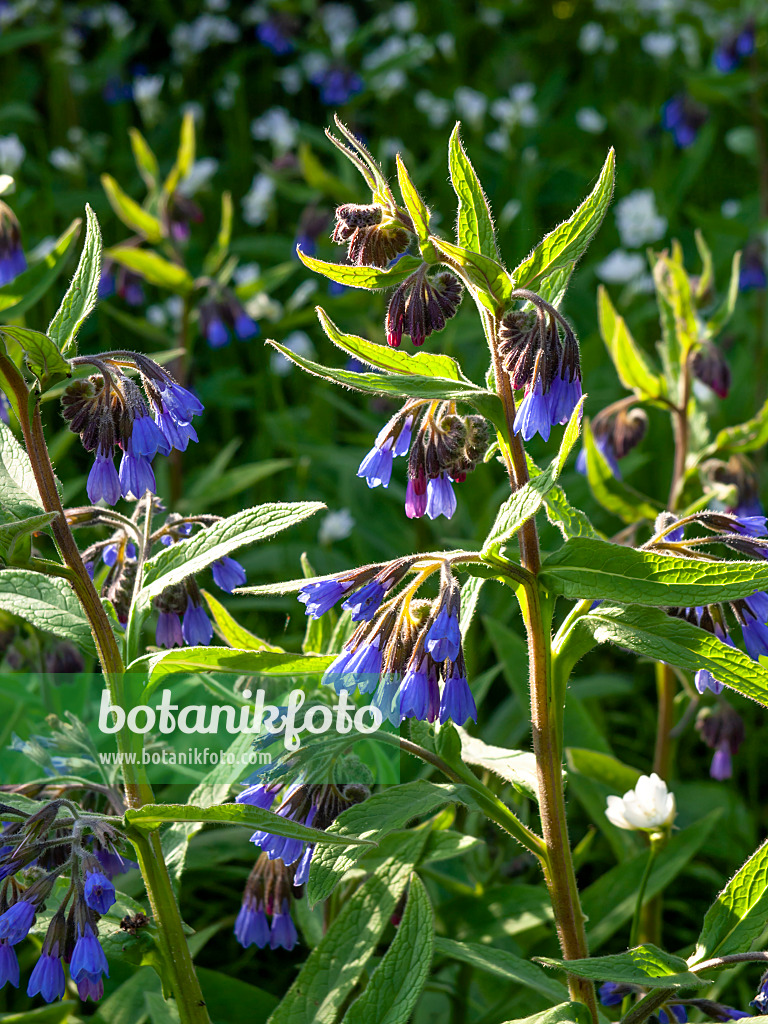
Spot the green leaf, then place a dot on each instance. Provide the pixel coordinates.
(19, 496)
(631, 365)
(153, 268)
(602, 768)
(645, 965)
(417, 209)
(394, 360)
(724, 311)
(234, 634)
(48, 602)
(41, 355)
(152, 816)
(11, 532)
(225, 659)
(502, 964)
(185, 155)
(396, 984)
(565, 1013)
(406, 385)
(737, 917)
(674, 284)
(517, 767)
(614, 495)
(571, 522)
(83, 292)
(525, 502)
(218, 252)
(376, 817)
(146, 161)
(584, 569)
(135, 217)
(334, 966)
(550, 265)
(28, 288)
(59, 1013)
(746, 437)
(650, 632)
(197, 552)
(364, 277)
(474, 223)
(492, 284)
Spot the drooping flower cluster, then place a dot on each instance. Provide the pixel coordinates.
(539, 361)
(12, 259)
(422, 304)
(444, 447)
(403, 648)
(121, 282)
(722, 729)
(283, 867)
(55, 845)
(616, 430)
(732, 50)
(110, 410)
(683, 118)
(223, 314)
(372, 238)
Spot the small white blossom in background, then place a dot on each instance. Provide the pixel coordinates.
(446, 44)
(65, 160)
(258, 200)
(217, 5)
(660, 45)
(146, 88)
(340, 23)
(188, 40)
(518, 107)
(198, 175)
(389, 83)
(437, 110)
(590, 120)
(491, 16)
(648, 807)
(12, 153)
(291, 79)
(470, 105)
(403, 17)
(593, 39)
(247, 273)
(43, 248)
(638, 220)
(276, 126)
(298, 342)
(621, 267)
(509, 211)
(336, 526)
(731, 208)
(225, 95)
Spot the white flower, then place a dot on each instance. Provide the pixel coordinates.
(336, 526)
(247, 273)
(392, 47)
(389, 83)
(621, 266)
(403, 17)
(638, 220)
(277, 126)
(290, 78)
(437, 110)
(590, 120)
(470, 105)
(146, 88)
(298, 342)
(591, 37)
(198, 175)
(12, 153)
(446, 44)
(257, 201)
(340, 23)
(64, 160)
(731, 208)
(649, 805)
(518, 108)
(659, 44)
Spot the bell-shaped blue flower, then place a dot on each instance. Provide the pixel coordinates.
(88, 957)
(168, 633)
(444, 636)
(251, 926)
(16, 921)
(533, 415)
(441, 501)
(47, 979)
(228, 574)
(321, 596)
(364, 603)
(196, 627)
(9, 965)
(283, 933)
(103, 480)
(457, 702)
(376, 467)
(99, 892)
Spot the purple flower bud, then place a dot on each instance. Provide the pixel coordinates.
(103, 480)
(320, 597)
(416, 497)
(196, 627)
(47, 979)
(364, 603)
(444, 636)
(376, 467)
(228, 574)
(99, 892)
(168, 633)
(9, 965)
(704, 681)
(441, 501)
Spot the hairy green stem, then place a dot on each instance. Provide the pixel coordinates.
(165, 909)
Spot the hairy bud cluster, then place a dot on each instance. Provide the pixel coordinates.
(372, 241)
(446, 447)
(421, 305)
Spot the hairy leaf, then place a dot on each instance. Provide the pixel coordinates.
(83, 292)
(41, 355)
(135, 217)
(737, 917)
(474, 223)
(48, 602)
(153, 268)
(631, 365)
(645, 965)
(363, 277)
(503, 964)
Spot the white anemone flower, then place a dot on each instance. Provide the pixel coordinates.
(648, 807)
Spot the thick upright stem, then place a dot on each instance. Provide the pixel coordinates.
(559, 871)
(171, 938)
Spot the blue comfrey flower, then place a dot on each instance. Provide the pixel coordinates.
(88, 958)
(147, 439)
(196, 627)
(365, 665)
(5, 408)
(760, 1002)
(9, 965)
(683, 118)
(337, 86)
(750, 526)
(47, 979)
(338, 674)
(284, 934)
(611, 993)
(251, 926)
(321, 596)
(364, 603)
(12, 259)
(672, 1013)
(109, 554)
(302, 868)
(169, 633)
(216, 333)
(228, 574)
(752, 276)
(90, 988)
(99, 892)
(444, 636)
(107, 281)
(533, 415)
(103, 480)
(245, 327)
(731, 51)
(136, 475)
(604, 444)
(403, 439)
(420, 691)
(273, 34)
(704, 681)
(179, 402)
(564, 396)
(16, 921)
(441, 501)
(722, 764)
(457, 702)
(177, 432)
(376, 467)
(387, 698)
(260, 795)
(113, 863)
